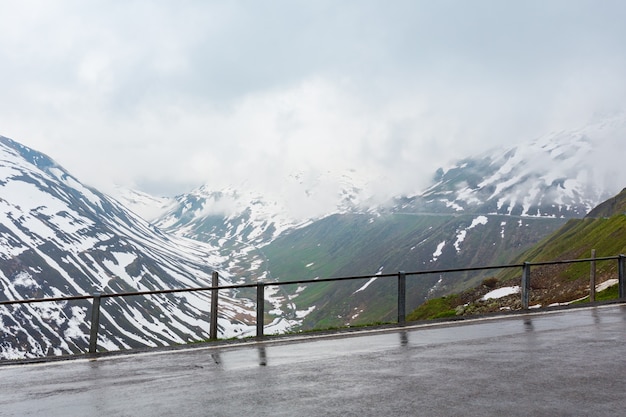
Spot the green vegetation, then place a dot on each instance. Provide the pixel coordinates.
(578, 237)
(611, 293)
(362, 244)
(575, 240)
(436, 308)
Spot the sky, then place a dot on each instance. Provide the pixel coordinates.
(165, 96)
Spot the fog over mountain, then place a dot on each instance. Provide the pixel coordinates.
(575, 167)
(60, 237)
(165, 98)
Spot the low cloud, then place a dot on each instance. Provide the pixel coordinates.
(166, 98)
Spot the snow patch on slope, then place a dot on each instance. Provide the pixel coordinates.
(501, 292)
(461, 234)
(439, 251)
(370, 281)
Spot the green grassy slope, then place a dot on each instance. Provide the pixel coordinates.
(603, 230)
(576, 240)
(348, 245)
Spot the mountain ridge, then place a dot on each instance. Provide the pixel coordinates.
(599, 234)
(611, 207)
(532, 187)
(555, 175)
(61, 238)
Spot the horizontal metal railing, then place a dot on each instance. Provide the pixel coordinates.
(260, 291)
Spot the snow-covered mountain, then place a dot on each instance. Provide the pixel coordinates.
(60, 238)
(146, 206)
(562, 174)
(256, 218)
(485, 208)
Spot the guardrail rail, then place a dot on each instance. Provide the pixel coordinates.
(401, 277)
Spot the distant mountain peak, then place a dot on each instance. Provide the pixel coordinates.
(556, 175)
(258, 217)
(143, 204)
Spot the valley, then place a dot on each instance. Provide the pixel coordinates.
(61, 238)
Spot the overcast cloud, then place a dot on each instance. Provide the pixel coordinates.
(164, 96)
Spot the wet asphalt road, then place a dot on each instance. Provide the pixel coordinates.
(568, 363)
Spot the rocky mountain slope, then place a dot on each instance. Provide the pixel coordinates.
(557, 175)
(485, 209)
(602, 231)
(60, 238)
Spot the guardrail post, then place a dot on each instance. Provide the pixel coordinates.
(592, 277)
(621, 266)
(525, 290)
(260, 309)
(401, 297)
(214, 295)
(95, 323)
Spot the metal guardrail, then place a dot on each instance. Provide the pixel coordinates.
(401, 276)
